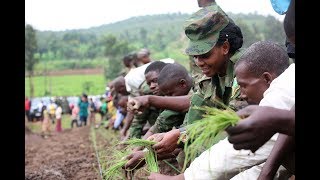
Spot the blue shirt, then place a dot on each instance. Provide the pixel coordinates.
(83, 108)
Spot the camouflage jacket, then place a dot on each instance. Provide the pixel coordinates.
(211, 90)
(148, 115)
(167, 120)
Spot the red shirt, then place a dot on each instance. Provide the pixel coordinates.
(27, 104)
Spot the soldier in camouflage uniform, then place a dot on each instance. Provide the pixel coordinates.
(217, 83)
(215, 51)
(173, 75)
(173, 80)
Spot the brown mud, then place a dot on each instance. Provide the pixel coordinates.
(66, 155)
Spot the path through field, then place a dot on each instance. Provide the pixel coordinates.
(67, 155)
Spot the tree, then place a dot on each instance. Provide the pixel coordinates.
(30, 50)
(114, 51)
(274, 30)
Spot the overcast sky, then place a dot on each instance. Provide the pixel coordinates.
(75, 14)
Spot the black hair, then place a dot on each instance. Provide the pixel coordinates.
(264, 56)
(231, 33)
(127, 59)
(133, 56)
(289, 20)
(84, 95)
(291, 50)
(118, 81)
(173, 72)
(155, 66)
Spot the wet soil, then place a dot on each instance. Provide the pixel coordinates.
(65, 155)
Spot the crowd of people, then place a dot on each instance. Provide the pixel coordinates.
(81, 112)
(155, 99)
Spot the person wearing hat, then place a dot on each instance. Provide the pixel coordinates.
(215, 44)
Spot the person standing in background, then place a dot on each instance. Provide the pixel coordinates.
(51, 109)
(45, 123)
(83, 106)
(58, 118)
(27, 107)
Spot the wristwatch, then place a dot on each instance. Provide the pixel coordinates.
(182, 137)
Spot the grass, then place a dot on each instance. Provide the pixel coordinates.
(203, 134)
(150, 155)
(113, 168)
(110, 156)
(69, 85)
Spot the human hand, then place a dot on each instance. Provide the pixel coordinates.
(167, 142)
(136, 160)
(255, 129)
(156, 137)
(138, 104)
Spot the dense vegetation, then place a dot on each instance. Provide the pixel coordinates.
(162, 34)
(104, 46)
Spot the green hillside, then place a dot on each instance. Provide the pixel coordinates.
(162, 34)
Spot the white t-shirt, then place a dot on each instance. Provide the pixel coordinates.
(135, 77)
(222, 161)
(58, 112)
(281, 93)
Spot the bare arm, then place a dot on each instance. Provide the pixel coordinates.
(175, 103)
(149, 133)
(260, 123)
(286, 122)
(128, 121)
(283, 146)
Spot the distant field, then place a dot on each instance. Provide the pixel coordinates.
(67, 85)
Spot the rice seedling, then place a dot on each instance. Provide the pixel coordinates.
(172, 166)
(139, 142)
(94, 142)
(113, 169)
(150, 155)
(201, 134)
(151, 160)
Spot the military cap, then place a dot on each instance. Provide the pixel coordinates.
(203, 29)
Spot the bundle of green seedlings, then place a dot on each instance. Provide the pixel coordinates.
(115, 171)
(150, 155)
(119, 158)
(204, 133)
(109, 155)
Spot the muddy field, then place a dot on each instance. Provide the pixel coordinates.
(71, 155)
(67, 155)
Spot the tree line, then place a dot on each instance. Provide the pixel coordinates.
(155, 32)
(162, 34)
